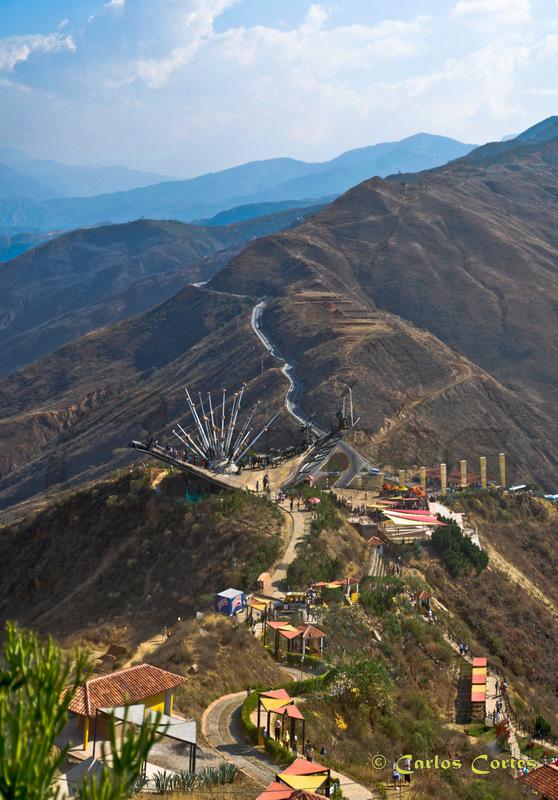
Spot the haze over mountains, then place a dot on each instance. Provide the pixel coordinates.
(434, 295)
(277, 179)
(38, 178)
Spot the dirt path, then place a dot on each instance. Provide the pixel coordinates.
(497, 560)
(402, 417)
(300, 522)
(145, 649)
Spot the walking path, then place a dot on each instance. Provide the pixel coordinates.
(221, 726)
(300, 521)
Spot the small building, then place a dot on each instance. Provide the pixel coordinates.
(230, 602)
(264, 582)
(377, 546)
(151, 686)
(303, 638)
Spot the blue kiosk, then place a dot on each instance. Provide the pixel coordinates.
(230, 602)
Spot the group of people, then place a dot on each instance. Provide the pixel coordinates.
(291, 742)
(464, 649)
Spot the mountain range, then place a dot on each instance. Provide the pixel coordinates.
(433, 295)
(91, 277)
(38, 178)
(276, 179)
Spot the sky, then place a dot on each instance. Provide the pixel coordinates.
(182, 87)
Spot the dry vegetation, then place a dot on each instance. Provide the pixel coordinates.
(219, 656)
(121, 558)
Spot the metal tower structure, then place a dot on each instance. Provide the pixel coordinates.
(222, 437)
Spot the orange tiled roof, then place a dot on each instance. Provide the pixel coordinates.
(122, 687)
(310, 631)
(544, 781)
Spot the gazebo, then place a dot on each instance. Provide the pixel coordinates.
(278, 701)
(478, 688)
(304, 634)
(306, 776)
(260, 605)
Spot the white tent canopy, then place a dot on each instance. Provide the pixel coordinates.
(184, 730)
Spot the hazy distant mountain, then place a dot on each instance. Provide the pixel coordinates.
(255, 210)
(50, 179)
(253, 183)
(14, 184)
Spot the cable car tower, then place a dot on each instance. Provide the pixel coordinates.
(223, 437)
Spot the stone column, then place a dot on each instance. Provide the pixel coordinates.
(402, 477)
(444, 479)
(483, 471)
(502, 462)
(423, 478)
(463, 473)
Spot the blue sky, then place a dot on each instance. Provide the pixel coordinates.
(187, 86)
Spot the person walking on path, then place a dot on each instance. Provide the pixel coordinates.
(277, 729)
(407, 764)
(396, 776)
(309, 751)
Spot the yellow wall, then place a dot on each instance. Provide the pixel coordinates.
(156, 702)
(85, 733)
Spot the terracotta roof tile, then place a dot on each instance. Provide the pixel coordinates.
(544, 781)
(122, 687)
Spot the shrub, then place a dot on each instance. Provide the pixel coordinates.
(541, 727)
(457, 552)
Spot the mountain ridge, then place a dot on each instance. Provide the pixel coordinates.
(254, 182)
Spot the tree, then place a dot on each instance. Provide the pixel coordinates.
(541, 727)
(36, 687)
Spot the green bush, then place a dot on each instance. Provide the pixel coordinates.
(457, 551)
(279, 753)
(249, 706)
(541, 728)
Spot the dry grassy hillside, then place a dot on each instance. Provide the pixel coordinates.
(451, 252)
(123, 557)
(511, 608)
(226, 656)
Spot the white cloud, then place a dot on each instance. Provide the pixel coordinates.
(487, 13)
(63, 23)
(14, 49)
(195, 27)
(313, 50)
(115, 4)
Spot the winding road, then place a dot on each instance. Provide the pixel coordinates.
(292, 404)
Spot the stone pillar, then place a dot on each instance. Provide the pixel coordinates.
(483, 471)
(423, 478)
(380, 479)
(402, 477)
(463, 473)
(502, 462)
(443, 479)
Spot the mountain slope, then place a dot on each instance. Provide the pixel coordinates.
(91, 277)
(255, 182)
(468, 252)
(412, 291)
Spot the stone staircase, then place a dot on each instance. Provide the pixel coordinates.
(377, 568)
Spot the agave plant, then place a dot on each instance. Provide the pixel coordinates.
(184, 781)
(163, 782)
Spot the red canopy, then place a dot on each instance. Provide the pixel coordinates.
(301, 766)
